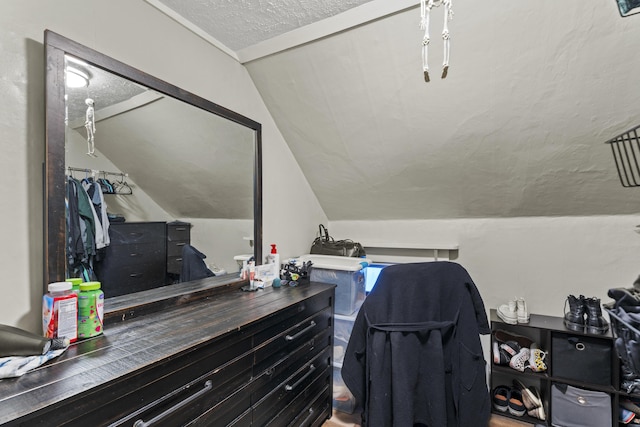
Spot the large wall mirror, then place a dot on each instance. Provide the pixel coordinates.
(174, 171)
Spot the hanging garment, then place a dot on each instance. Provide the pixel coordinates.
(193, 265)
(94, 191)
(414, 355)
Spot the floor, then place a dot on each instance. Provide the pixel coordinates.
(340, 419)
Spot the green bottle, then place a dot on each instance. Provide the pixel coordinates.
(90, 310)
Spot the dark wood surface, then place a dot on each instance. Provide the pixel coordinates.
(135, 346)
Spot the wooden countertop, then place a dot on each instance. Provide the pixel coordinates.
(137, 344)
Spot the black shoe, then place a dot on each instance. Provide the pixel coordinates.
(595, 323)
(574, 318)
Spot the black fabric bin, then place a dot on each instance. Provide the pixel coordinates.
(581, 358)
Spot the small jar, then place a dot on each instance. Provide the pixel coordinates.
(60, 312)
(90, 310)
(75, 283)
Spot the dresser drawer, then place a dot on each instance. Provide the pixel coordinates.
(132, 278)
(284, 320)
(316, 413)
(177, 390)
(137, 232)
(135, 253)
(174, 265)
(178, 232)
(309, 381)
(307, 331)
(274, 370)
(175, 248)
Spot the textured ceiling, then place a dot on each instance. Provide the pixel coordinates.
(516, 129)
(241, 23)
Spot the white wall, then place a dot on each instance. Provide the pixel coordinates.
(135, 33)
(541, 259)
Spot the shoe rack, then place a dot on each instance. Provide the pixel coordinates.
(542, 330)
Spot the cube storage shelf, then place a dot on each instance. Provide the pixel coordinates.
(547, 330)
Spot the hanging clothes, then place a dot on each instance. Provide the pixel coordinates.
(99, 206)
(414, 356)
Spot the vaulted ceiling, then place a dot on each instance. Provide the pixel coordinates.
(517, 128)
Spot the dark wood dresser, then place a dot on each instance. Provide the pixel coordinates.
(136, 259)
(241, 359)
(178, 235)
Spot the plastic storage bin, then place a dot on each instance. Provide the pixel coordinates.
(342, 328)
(343, 400)
(344, 272)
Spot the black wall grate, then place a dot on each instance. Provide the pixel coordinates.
(626, 153)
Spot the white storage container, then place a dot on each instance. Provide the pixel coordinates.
(343, 400)
(346, 273)
(342, 328)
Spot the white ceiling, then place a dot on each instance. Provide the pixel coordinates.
(517, 128)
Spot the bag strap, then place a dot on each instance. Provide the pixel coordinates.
(324, 233)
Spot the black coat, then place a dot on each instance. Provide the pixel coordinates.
(414, 356)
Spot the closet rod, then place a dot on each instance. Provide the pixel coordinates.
(97, 172)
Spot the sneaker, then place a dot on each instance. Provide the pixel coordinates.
(626, 416)
(516, 407)
(508, 314)
(520, 361)
(521, 311)
(511, 348)
(501, 396)
(500, 356)
(503, 336)
(536, 360)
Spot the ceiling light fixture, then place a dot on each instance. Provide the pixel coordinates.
(628, 7)
(76, 78)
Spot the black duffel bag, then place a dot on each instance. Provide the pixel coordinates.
(326, 245)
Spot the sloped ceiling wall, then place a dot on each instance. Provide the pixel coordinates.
(516, 129)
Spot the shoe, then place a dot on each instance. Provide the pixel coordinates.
(500, 356)
(521, 311)
(501, 396)
(626, 416)
(536, 360)
(595, 323)
(574, 318)
(507, 312)
(511, 348)
(530, 396)
(520, 361)
(516, 407)
(537, 413)
(504, 336)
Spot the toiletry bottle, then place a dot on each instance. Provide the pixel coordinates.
(274, 256)
(90, 310)
(60, 312)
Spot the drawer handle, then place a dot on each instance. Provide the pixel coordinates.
(141, 423)
(178, 259)
(304, 377)
(135, 275)
(134, 255)
(306, 420)
(134, 234)
(180, 244)
(180, 228)
(308, 328)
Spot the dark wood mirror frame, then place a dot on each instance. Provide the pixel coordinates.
(56, 46)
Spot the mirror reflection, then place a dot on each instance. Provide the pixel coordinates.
(164, 182)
